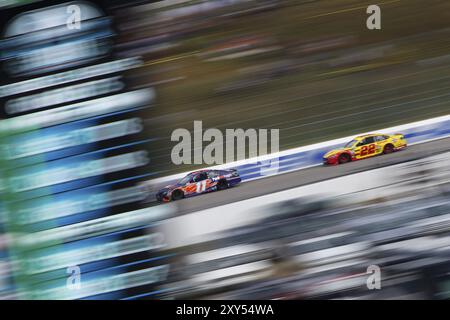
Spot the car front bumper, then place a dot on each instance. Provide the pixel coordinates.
(330, 161)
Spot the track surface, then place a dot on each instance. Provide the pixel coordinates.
(307, 176)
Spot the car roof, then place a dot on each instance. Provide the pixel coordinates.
(199, 171)
(369, 135)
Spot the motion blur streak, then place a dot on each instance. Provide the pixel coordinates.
(88, 105)
(320, 244)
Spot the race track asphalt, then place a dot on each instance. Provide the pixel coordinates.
(310, 175)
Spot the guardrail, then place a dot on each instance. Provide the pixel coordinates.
(311, 155)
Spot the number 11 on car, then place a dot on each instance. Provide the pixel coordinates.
(201, 186)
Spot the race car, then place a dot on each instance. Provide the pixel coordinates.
(365, 146)
(199, 182)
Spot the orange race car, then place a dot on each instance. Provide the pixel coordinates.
(365, 146)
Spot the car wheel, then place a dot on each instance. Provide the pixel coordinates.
(389, 148)
(222, 185)
(344, 158)
(177, 195)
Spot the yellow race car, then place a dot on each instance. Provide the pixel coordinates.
(365, 146)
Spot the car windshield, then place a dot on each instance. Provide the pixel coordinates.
(185, 179)
(351, 143)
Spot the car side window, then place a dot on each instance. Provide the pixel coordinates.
(380, 138)
(200, 177)
(213, 174)
(369, 140)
